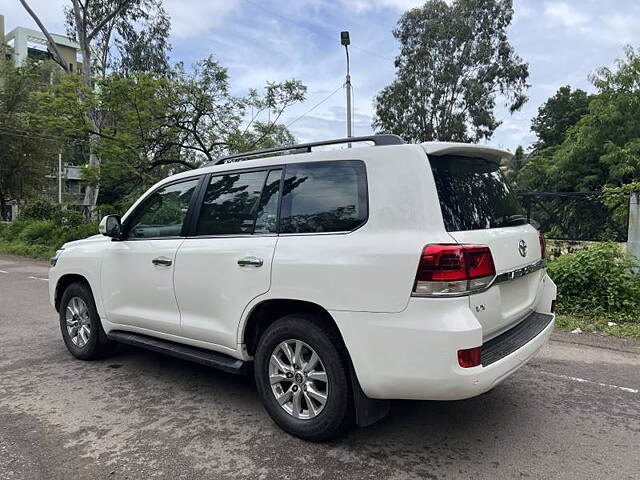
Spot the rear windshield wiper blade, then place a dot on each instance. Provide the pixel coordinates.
(510, 220)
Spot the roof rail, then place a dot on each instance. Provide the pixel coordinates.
(377, 140)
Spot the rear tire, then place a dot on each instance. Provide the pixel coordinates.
(80, 324)
(292, 387)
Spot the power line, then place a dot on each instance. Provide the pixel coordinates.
(321, 32)
(314, 107)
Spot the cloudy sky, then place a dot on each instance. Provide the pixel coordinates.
(273, 40)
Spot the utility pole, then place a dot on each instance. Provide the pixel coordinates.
(60, 177)
(344, 40)
(633, 236)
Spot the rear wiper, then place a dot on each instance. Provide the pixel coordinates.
(510, 220)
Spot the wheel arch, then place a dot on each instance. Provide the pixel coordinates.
(367, 411)
(268, 311)
(64, 281)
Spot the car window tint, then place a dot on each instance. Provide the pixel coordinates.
(267, 219)
(163, 214)
(474, 195)
(231, 204)
(324, 197)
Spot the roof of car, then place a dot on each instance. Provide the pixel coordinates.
(466, 150)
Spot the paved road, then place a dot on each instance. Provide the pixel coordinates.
(142, 415)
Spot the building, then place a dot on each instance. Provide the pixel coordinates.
(26, 43)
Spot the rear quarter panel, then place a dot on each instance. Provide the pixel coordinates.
(372, 268)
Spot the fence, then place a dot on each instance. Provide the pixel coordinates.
(578, 215)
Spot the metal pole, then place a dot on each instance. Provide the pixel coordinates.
(348, 85)
(346, 41)
(633, 236)
(59, 177)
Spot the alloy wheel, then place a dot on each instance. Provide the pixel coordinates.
(78, 321)
(298, 379)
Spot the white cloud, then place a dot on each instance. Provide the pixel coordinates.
(50, 13)
(194, 18)
(620, 29)
(566, 15)
(360, 6)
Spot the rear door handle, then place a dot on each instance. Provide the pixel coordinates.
(163, 261)
(250, 262)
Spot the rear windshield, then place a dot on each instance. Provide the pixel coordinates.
(474, 195)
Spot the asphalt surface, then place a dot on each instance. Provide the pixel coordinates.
(572, 412)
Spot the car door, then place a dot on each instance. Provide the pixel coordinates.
(226, 261)
(137, 271)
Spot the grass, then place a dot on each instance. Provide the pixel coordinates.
(40, 238)
(625, 325)
(37, 251)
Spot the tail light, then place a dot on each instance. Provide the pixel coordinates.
(453, 270)
(543, 246)
(470, 357)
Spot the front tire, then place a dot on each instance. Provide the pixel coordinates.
(301, 373)
(80, 324)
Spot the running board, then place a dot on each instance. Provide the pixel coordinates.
(186, 352)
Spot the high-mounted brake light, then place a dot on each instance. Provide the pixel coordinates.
(543, 246)
(453, 270)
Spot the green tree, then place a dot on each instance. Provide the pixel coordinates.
(26, 155)
(455, 60)
(515, 165)
(603, 148)
(97, 26)
(154, 126)
(557, 115)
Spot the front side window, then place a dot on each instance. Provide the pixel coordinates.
(163, 214)
(232, 203)
(324, 197)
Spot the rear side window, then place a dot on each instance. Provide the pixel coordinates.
(474, 194)
(231, 204)
(324, 197)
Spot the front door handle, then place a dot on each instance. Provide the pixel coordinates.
(163, 261)
(250, 262)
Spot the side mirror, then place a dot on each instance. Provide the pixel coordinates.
(110, 226)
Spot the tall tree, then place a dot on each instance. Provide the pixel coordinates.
(603, 147)
(515, 165)
(94, 24)
(135, 40)
(455, 60)
(557, 115)
(25, 153)
(154, 126)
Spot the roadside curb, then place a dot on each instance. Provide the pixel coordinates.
(598, 341)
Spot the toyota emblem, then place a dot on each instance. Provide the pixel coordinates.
(522, 248)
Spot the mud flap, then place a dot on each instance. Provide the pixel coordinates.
(368, 410)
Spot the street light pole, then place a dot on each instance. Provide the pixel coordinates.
(59, 177)
(344, 40)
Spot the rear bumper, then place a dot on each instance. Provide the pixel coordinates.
(413, 354)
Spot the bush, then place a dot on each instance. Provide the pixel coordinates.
(61, 214)
(598, 279)
(39, 210)
(39, 231)
(41, 238)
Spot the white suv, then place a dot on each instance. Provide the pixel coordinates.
(343, 278)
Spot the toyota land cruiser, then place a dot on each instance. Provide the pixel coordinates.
(341, 278)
